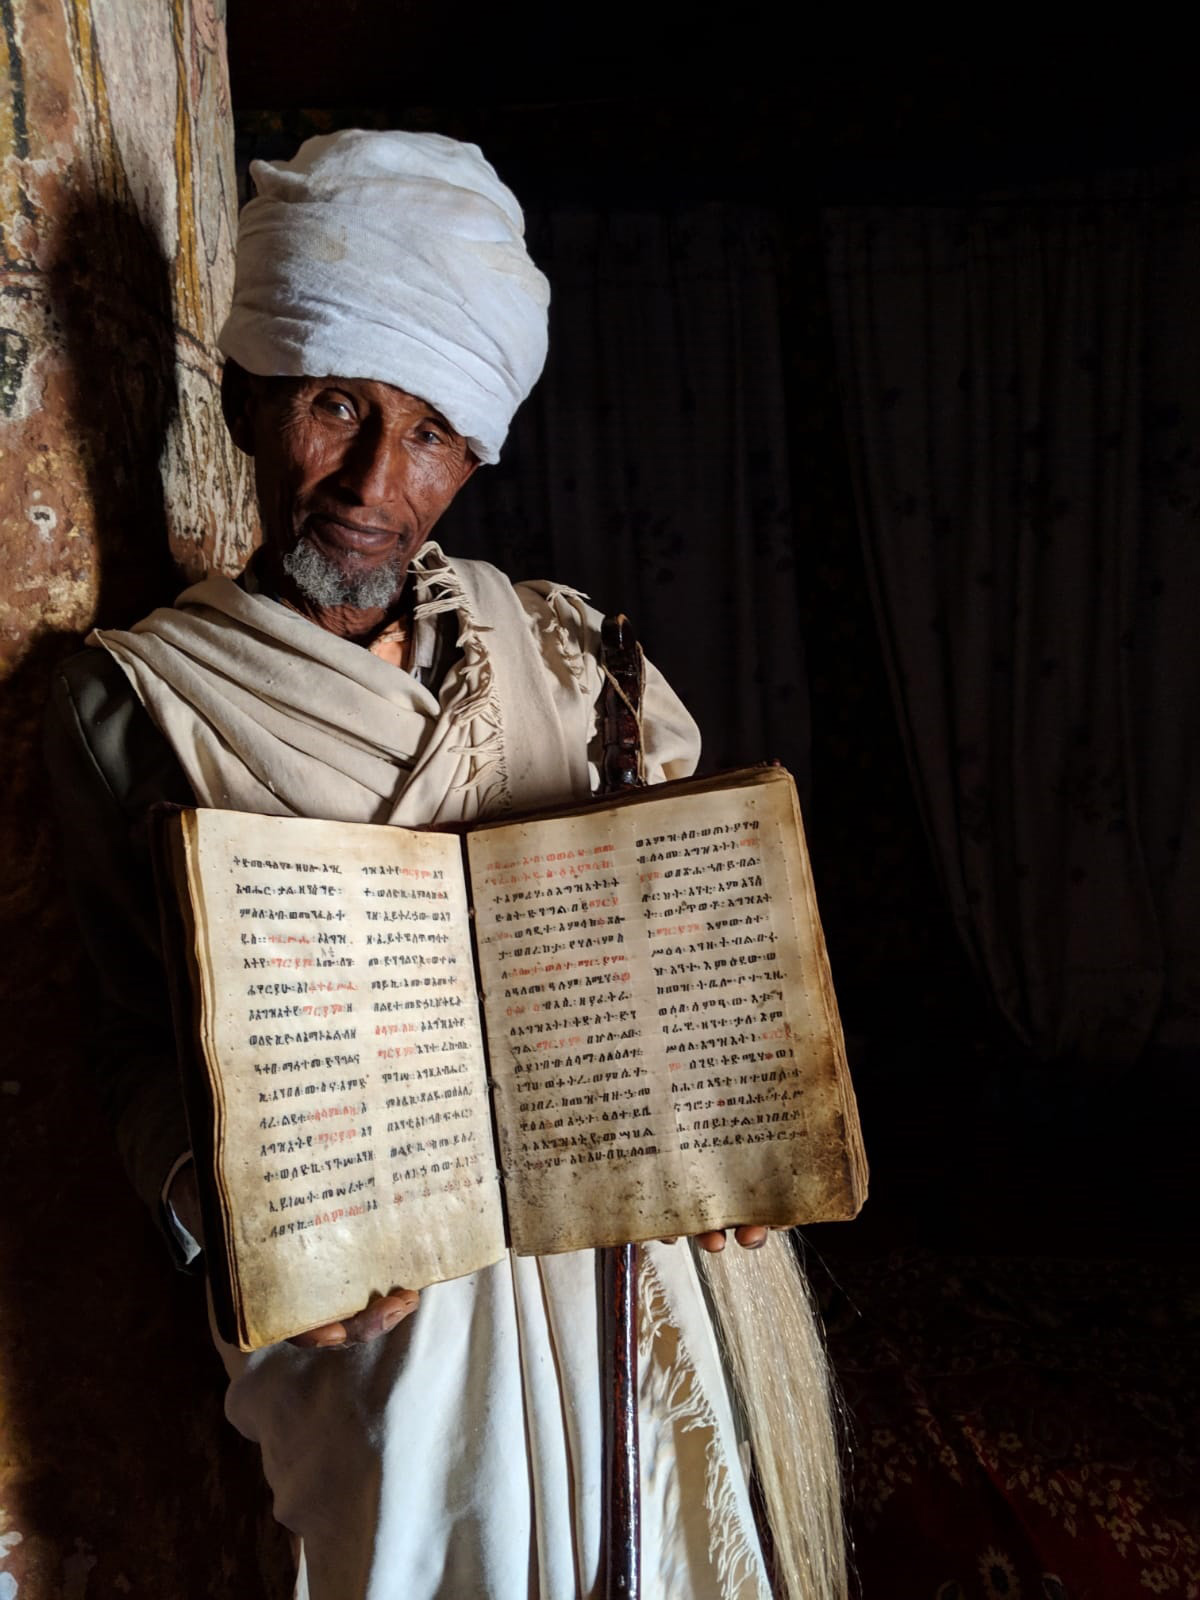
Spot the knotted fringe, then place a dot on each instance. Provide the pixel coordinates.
(476, 708)
(776, 1358)
(669, 1391)
(562, 625)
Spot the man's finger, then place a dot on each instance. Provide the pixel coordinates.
(751, 1236)
(713, 1241)
(381, 1316)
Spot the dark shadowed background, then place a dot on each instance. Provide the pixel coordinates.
(873, 397)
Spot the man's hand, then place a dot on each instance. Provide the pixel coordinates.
(383, 1313)
(750, 1235)
(379, 1317)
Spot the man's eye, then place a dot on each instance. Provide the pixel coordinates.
(430, 436)
(336, 406)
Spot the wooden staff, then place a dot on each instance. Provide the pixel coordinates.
(622, 769)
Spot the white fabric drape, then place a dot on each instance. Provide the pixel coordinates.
(1022, 400)
(460, 1454)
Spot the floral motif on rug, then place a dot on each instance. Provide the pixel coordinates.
(1022, 1429)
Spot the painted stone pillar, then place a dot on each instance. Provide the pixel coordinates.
(117, 211)
(118, 1474)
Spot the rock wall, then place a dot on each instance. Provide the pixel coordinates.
(118, 1475)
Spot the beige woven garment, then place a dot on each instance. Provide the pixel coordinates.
(460, 1455)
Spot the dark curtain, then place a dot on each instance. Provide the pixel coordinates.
(650, 466)
(1021, 386)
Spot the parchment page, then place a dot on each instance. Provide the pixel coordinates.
(661, 1032)
(354, 1147)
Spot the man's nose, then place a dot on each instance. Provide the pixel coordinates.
(374, 468)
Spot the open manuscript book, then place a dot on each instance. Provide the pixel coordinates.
(404, 1050)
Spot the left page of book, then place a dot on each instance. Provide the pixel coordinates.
(340, 1023)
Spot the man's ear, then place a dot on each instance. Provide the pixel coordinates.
(237, 405)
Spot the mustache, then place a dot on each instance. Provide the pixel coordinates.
(336, 514)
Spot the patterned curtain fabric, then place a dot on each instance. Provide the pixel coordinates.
(1022, 399)
(650, 466)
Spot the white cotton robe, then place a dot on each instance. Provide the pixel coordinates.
(459, 1455)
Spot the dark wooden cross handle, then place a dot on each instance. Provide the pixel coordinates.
(621, 769)
(621, 707)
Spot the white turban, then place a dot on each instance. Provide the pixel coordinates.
(394, 256)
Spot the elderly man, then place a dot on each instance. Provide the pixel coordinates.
(354, 672)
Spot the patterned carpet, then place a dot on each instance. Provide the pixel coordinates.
(1023, 1429)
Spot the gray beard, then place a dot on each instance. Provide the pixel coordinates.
(324, 583)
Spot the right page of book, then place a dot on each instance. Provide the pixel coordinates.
(662, 1031)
